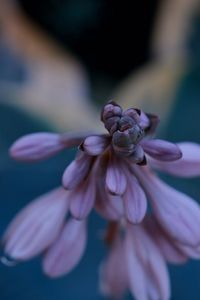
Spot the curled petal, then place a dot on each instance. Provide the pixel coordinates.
(177, 213)
(36, 146)
(161, 150)
(77, 171)
(135, 202)
(187, 166)
(135, 114)
(110, 110)
(67, 250)
(36, 226)
(83, 199)
(95, 145)
(116, 181)
(113, 272)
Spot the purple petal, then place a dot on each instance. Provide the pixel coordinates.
(192, 252)
(82, 199)
(148, 276)
(167, 246)
(156, 268)
(177, 213)
(136, 272)
(74, 139)
(113, 272)
(36, 146)
(95, 145)
(154, 121)
(67, 250)
(116, 181)
(109, 206)
(144, 120)
(36, 226)
(187, 166)
(135, 202)
(161, 150)
(77, 171)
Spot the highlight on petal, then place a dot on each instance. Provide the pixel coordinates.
(36, 226)
(77, 171)
(187, 166)
(177, 213)
(116, 180)
(67, 250)
(135, 202)
(113, 272)
(161, 150)
(95, 145)
(83, 199)
(36, 146)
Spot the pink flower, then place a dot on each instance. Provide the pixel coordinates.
(112, 173)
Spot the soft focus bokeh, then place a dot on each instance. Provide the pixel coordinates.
(59, 61)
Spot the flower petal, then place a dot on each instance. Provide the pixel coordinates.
(74, 139)
(83, 199)
(113, 272)
(156, 269)
(77, 171)
(187, 166)
(109, 206)
(177, 213)
(167, 246)
(36, 226)
(36, 146)
(192, 252)
(136, 274)
(115, 181)
(135, 202)
(95, 145)
(156, 279)
(161, 150)
(144, 120)
(67, 250)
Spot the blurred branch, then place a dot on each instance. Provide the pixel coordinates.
(57, 87)
(154, 86)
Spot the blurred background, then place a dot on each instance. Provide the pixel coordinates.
(59, 62)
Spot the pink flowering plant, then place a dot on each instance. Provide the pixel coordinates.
(150, 223)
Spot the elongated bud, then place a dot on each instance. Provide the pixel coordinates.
(36, 146)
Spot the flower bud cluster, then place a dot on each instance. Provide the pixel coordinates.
(123, 126)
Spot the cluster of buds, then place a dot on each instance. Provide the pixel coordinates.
(127, 128)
